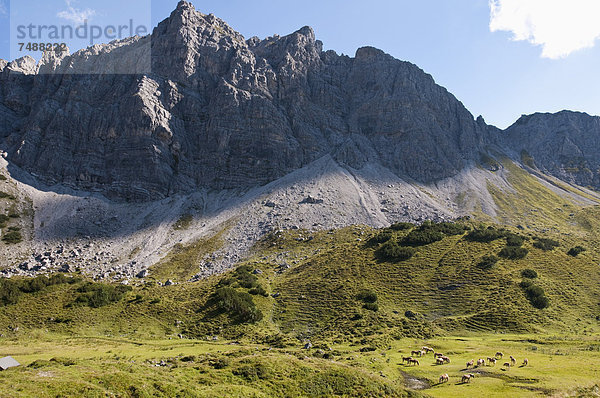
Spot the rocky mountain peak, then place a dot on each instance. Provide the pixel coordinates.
(219, 112)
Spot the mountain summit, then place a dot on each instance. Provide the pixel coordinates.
(222, 112)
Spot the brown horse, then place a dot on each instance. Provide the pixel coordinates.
(513, 361)
(444, 378)
(467, 378)
(491, 361)
(413, 362)
(525, 362)
(416, 352)
(499, 355)
(470, 363)
(406, 359)
(439, 361)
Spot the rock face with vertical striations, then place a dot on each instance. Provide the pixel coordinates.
(217, 111)
(565, 144)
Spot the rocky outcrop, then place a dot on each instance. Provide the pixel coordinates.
(217, 111)
(564, 144)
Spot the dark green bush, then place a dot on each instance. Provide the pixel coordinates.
(529, 273)
(9, 292)
(381, 237)
(574, 251)
(402, 226)
(487, 262)
(371, 306)
(12, 237)
(513, 252)
(421, 237)
(525, 284)
(237, 304)
(449, 228)
(253, 372)
(540, 302)
(4, 195)
(3, 220)
(245, 277)
(259, 290)
(220, 363)
(545, 244)
(34, 285)
(535, 295)
(484, 235)
(392, 251)
(98, 295)
(367, 296)
(514, 240)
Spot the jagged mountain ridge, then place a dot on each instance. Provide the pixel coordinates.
(220, 112)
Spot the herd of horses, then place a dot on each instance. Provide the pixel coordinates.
(441, 359)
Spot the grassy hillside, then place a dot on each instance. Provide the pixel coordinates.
(362, 297)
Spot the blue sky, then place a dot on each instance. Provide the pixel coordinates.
(551, 66)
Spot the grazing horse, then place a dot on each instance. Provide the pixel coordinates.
(491, 361)
(427, 349)
(445, 359)
(499, 355)
(506, 365)
(480, 362)
(438, 354)
(444, 378)
(525, 362)
(439, 361)
(406, 359)
(513, 360)
(416, 352)
(467, 378)
(470, 363)
(413, 362)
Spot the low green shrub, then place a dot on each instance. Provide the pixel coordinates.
(422, 237)
(392, 251)
(381, 237)
(371, 306)
(529, 273)
(484, 235)
(4, 195)
(535, 295)
(9, 292)
(96, 295)
(545, 244)
(253, 372)
(487, 262)
(513, 252)
(367, 296)
(12, 237)
(238, 304)
(402, 226)
(258, 290)
(575, 251)
(514, 240)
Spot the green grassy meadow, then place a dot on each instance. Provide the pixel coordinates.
(332, 313)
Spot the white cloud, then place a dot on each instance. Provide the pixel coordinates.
(76, 15)
(559, 26)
